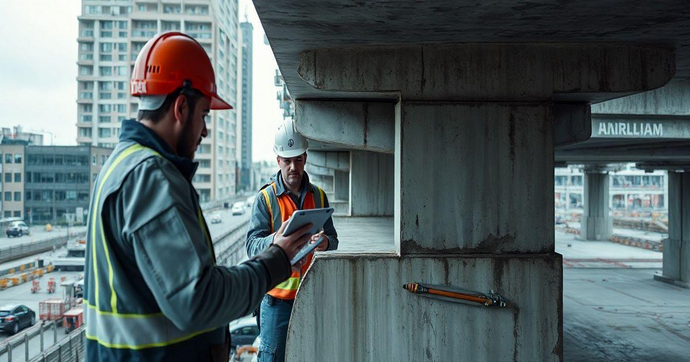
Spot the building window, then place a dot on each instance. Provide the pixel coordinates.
(17, 177)
(103, 160)
(94, 160)
(104, 119)
(8, 158)
(104, 132)
(17, 196)
(8, 213)
(8, 196)
(8, 177)
(18, 158)
(17, 214)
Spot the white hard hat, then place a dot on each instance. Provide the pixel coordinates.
(288, 142)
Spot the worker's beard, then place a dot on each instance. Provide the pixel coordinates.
(186, 145)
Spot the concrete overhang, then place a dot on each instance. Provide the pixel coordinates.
(294, 27)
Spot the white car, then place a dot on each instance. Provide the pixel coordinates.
(238, 208)
(250, 201)
(17, 229)
(216, 219)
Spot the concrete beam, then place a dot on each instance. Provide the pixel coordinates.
(496, 72)
(358, 125)
(333, 160)
(377, 320)
(670, 100)
(651, 152)
(572, 123)
(318, 170)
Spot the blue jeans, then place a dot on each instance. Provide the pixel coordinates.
(274, 318)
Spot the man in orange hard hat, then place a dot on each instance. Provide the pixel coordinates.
(153, 291)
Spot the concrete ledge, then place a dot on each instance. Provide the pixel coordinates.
(491, 71)
(352, 308)
(669, 280)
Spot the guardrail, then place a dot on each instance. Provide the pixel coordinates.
(19, 251)
(25, 337)
(229, 246)
(70, 349)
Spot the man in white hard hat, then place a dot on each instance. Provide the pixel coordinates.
(288, 191)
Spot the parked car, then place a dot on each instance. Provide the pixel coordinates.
(15, 317)
(243, 332)
(216, 219)
(238, 208)
(17, 228)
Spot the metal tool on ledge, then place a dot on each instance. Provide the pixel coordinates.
(456, 295)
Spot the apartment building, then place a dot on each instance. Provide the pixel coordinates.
(111, 34)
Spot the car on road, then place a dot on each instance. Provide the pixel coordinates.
(15, 317)
(17, 228)
(238, 208)
(216, 219)
(243, 332)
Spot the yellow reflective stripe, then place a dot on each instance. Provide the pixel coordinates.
(290, 284)
(150, 345)
(270, 212)
(207, 235)
(323, 204)
(113, 298)
(122, 315)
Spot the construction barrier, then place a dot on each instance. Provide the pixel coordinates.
(14, 279)
(638, 243)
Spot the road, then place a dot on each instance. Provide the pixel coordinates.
(38, 234)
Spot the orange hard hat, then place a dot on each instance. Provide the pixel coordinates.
(170, 60)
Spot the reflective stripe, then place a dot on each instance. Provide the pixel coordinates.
(95, 217)
(290, 284)
(323, 204)
(268, 204)
(133, 333)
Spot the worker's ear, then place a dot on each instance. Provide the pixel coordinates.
(181, 109)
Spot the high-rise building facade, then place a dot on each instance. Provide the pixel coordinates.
(246, 129)
(111, 34)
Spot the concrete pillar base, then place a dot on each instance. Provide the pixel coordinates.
(377, 320)
(675, 282)
(676, 265)
(596, 228)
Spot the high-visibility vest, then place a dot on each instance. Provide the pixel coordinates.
(279, 210)
(118, 311)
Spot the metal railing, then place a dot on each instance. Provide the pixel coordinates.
(70, 349)
(12, 343)
(229, 246)
(19, 251)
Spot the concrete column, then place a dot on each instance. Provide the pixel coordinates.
(473, 186)
(596, 224)
(371, 184)
(676, 266)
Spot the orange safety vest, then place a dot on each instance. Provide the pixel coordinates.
(287, 290)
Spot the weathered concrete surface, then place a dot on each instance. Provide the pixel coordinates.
(377, 320)
(676, 268)
(472, 178)
(670, 100)
(342, 186)
(596, 223)
(357, 125)
(480, 72)
(572, 123)
(293, 26)
(333, 160)
(371, 184)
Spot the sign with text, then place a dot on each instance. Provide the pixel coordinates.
(619, 128)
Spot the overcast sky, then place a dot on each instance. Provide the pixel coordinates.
(38, 72)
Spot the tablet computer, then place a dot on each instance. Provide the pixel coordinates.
(316, 217)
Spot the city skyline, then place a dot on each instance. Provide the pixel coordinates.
(40, 93)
